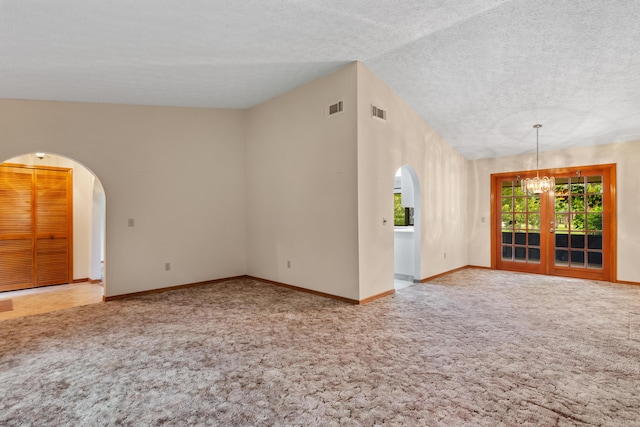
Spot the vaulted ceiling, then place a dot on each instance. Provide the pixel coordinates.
(481, 72)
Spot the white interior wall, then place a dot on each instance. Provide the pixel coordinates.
(178, 172)
(83, 183)
(302, 189)
(627, 159)
(383, 147)
(403, 251)
(97, 231)
(407, 190)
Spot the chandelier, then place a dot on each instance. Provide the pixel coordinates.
(537, 185)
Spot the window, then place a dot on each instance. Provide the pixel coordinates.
(402, 217)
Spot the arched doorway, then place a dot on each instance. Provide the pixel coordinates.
(85, 281)
(407, 202)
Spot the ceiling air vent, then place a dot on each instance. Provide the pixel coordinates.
(378, 113)
(336, 108)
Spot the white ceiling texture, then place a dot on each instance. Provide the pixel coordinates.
(481, 72)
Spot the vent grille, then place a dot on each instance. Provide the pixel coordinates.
(378, 112)
(336, 108)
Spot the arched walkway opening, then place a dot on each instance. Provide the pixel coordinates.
(81, 250)
(407, 202)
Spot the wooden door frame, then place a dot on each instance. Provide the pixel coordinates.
(34, 210)
(610, 238)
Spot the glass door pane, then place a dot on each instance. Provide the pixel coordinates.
(520, 224)
(578, 222)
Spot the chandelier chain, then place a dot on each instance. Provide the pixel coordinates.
(537, 126)
(538, 185)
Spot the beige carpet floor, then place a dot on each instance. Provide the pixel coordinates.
(473, 348)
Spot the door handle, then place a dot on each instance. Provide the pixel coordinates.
(551, 230)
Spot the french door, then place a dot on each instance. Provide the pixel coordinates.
(568, 231)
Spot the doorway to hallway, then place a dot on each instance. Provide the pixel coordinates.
(406, 193)
(83, 220)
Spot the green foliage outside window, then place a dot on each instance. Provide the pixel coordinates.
(398, 210)
(575, 204)
(583, 209)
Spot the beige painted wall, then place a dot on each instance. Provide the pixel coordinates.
(83, 187)
(302, 189)
(220, 193)
(627, 159)
(385, 146)
(179, 172)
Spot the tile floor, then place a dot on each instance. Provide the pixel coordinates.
(49, 298)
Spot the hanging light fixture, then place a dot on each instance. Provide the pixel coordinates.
(538, 185)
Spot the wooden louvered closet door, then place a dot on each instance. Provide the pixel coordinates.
(35, 227)
(16, 228)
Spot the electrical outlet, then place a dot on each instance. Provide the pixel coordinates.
(288, 264)
(131, 222)
(445, 255)
(167, 266)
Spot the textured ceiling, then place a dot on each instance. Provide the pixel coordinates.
(481, 72)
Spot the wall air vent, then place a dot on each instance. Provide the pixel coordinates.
(378, 113)
(336, 108)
